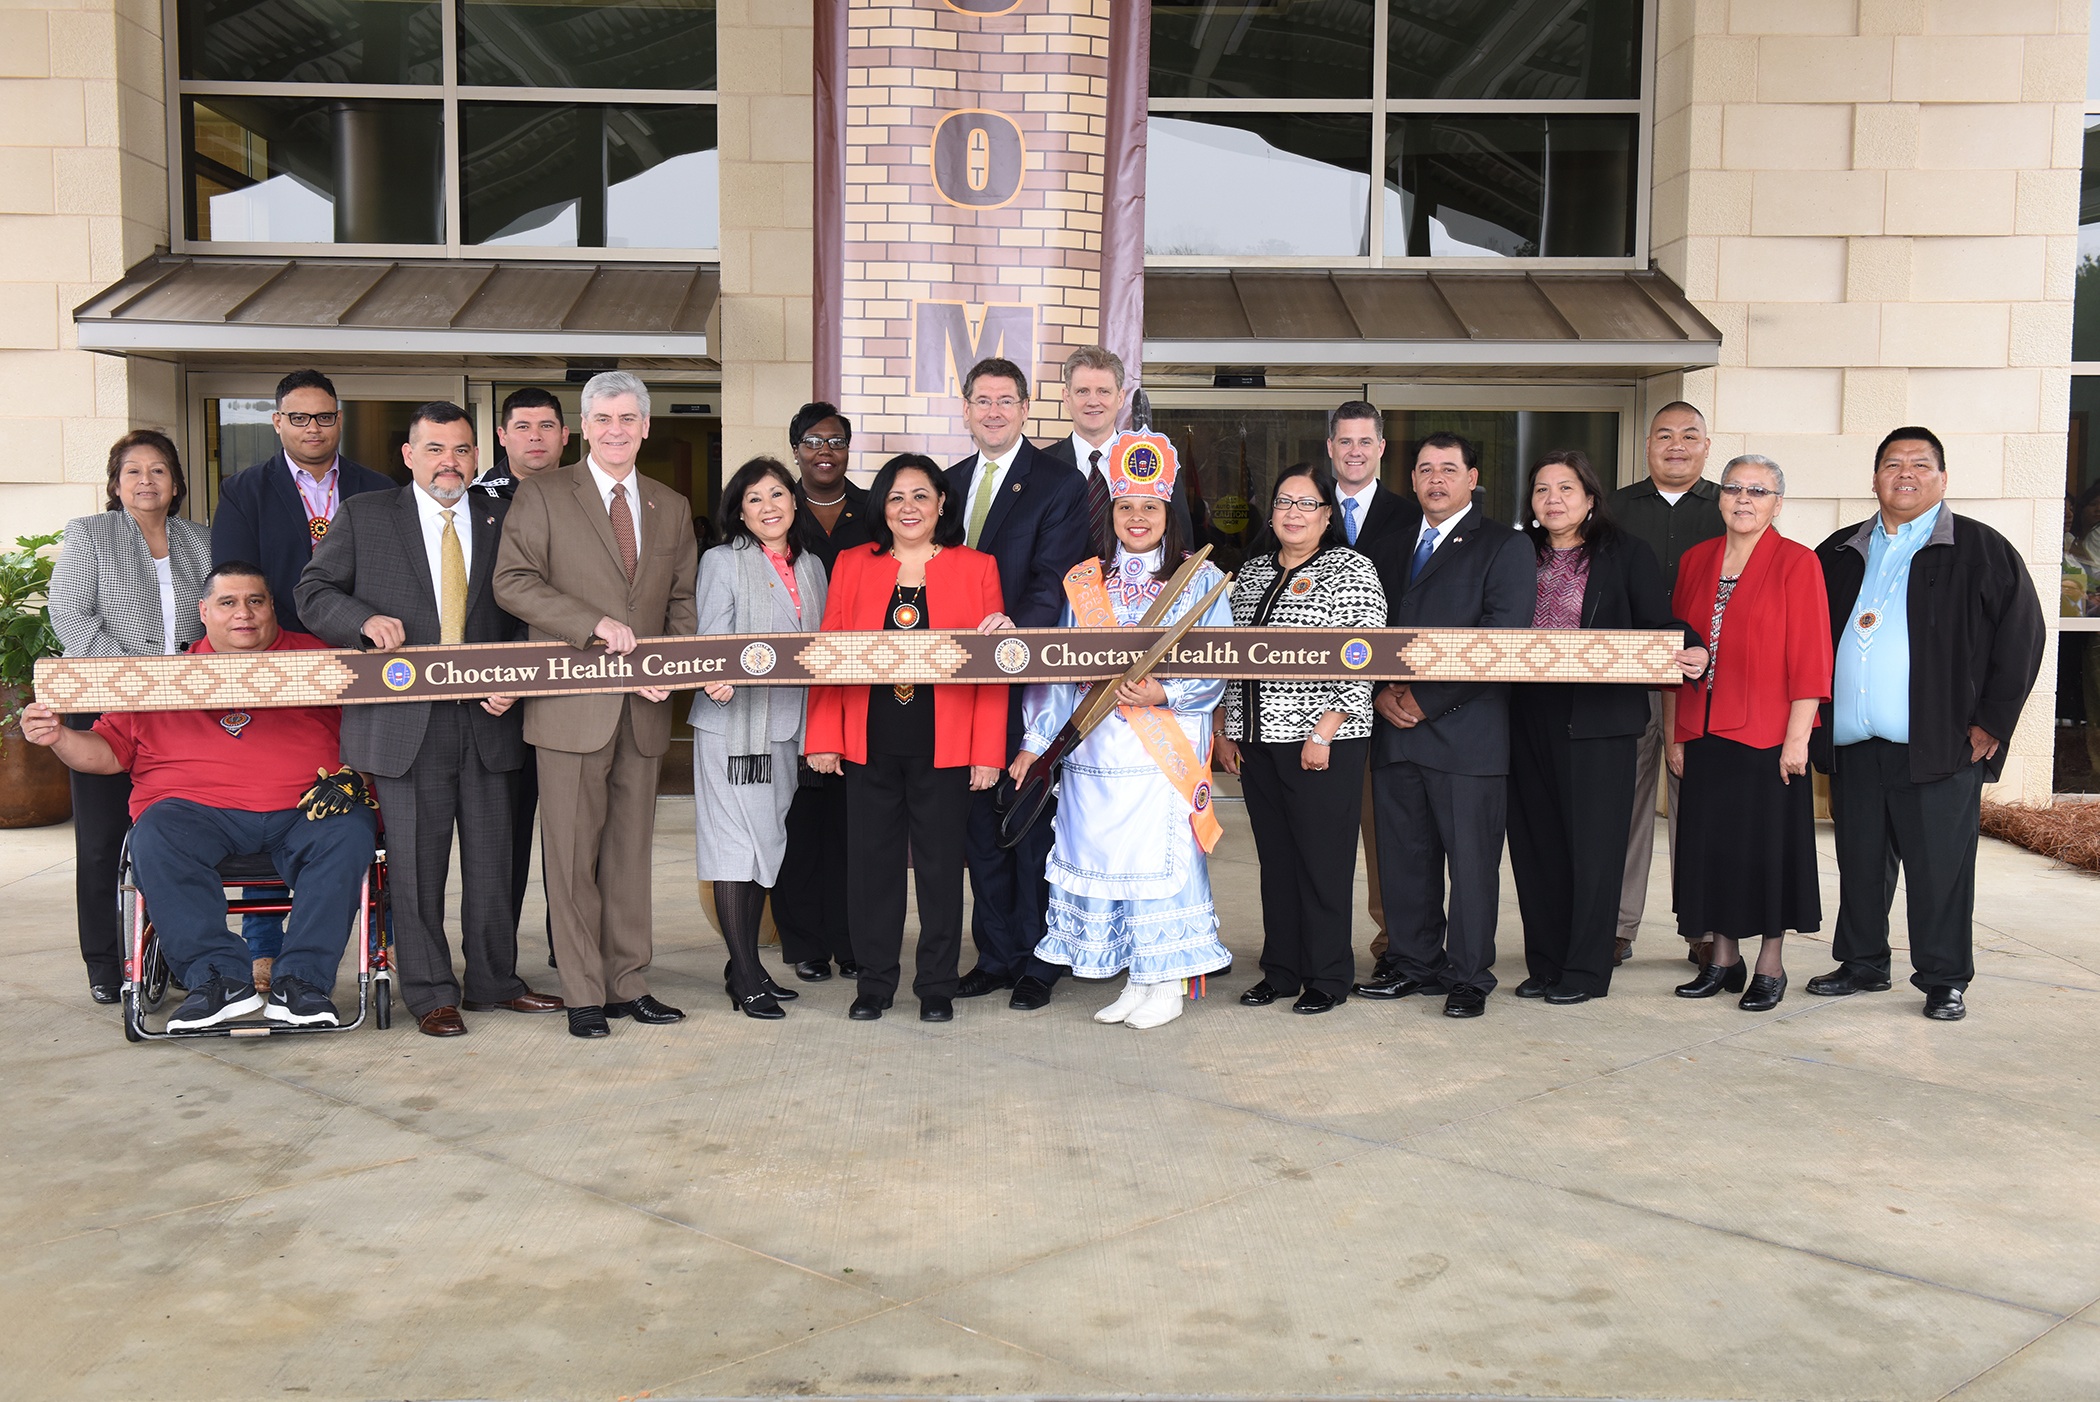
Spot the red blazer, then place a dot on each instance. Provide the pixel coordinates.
(1775, 640)
(962, 590)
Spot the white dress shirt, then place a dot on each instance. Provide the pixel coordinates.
(430, 515)
(634, 496)
(1082, 450)
(989, 477)
(1362, 497)
(164, 576)
(1443, 532)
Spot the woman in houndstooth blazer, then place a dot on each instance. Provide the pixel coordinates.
(126, 583)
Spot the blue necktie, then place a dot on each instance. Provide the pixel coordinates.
(1349, 517)
(1423, 550)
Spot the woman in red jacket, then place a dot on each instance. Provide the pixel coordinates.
(1746, 840)
(911, 755)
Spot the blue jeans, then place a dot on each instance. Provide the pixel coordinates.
(176, 847)
(264, 933)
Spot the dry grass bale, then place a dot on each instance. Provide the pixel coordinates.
(2066, 832)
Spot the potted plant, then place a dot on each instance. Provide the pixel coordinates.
(34, 789)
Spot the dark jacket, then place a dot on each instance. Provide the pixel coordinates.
(1624, 590)
(1483, 575)
(1036, 530)
(1976, 638)
(374, 562)
(1392, 514)
(261, 519)
(849, 530)
(1669, 531)
(1063, 451)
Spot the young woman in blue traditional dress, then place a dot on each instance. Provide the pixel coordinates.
(1129, 886)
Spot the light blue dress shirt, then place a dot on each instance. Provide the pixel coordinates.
(1871, 685)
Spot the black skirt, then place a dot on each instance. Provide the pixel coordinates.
(1746, 845)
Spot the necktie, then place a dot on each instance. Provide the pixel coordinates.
(1097, 502)
(623, 528)
(452, 589)
(980, 499)
(1423, 551)
(1349, 517)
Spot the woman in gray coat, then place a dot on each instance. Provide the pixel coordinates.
(126, 584)
(746, 741)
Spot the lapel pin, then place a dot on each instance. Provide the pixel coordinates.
(1016, 487)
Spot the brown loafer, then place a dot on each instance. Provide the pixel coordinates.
(1624, 952)
(527, 1002)
(442, 1022)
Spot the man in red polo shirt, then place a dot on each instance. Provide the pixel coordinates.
(207, 785)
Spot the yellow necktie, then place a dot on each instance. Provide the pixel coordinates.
(980, 500)
(452, 592)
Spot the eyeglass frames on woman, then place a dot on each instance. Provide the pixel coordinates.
(1748, 489)
(1306, 504)
(811, 445)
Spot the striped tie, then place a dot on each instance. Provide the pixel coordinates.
(1097, 502)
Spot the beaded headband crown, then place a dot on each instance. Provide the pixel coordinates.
(1141, 464)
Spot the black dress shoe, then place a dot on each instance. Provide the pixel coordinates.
(1030, 993)
(866, 1008)
(645, 1009)
(1945, 1004)
(785, 995)
(977, 983)
(1312, 1000)
(813, 970)
(936, 1010)
(1392, 985)
(1261, 995)
(1714, 978)
(1383, 970)
(1534, 987)
(588, 1022)
(850, 970)
(105, 993)
(1844, 981)
(1765, 992)
(760, 1005)
(1561, 996)
(1465, 1002)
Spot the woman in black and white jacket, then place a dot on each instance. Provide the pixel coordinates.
(1300, 747)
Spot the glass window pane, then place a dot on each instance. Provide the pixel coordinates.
(580, 175)
(311, 41)
(2085, 307)
(1510, 187)
(588, 43)
(1265, 186)
(314, 170)
(1515, 49)
(1260, 48)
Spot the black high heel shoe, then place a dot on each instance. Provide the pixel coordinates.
(785, 995)
(1765, 992)
(759, 1005)
(1714, 978)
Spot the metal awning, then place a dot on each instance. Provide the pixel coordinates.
(1287, 317)
(320, 306)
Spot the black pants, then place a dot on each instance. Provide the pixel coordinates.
(101, 817)
(448, 787)
(1009, 892)
(1426, 818)
(1570, 809)
(1880, 817)
(1305, 824)
(901, 808)
(525, 805)
(810, 894)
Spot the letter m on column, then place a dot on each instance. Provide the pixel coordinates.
(947, 340)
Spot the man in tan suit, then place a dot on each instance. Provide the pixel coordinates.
(599, 553)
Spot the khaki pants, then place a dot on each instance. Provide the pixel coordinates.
(1648, 768)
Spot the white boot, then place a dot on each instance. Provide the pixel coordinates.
(1127, 1002)
(1161, 1006)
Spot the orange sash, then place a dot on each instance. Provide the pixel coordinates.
(1155, 727)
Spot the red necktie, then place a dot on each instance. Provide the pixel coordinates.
(623, 529)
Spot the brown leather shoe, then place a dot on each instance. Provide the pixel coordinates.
(259, 971)
(1699, 952)
(442, 1022)
(526, 1002)
(1623, 952)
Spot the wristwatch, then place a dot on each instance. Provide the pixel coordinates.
(1318, 739)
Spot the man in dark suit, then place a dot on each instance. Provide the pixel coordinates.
(1094, 399)
(1370, 511)
(411, 567)
(1440, 754)
(1030, 516)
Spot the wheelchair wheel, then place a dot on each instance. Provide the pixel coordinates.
(153, 975)
(383, 1003)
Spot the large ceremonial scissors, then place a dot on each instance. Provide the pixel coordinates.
(1019, 805)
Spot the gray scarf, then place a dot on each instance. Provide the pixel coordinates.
(757, 585)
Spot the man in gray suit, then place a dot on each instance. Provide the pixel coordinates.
(1440, 751)
(411, 567)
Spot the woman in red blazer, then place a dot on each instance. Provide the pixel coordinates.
(911, 755)
(1746, 844)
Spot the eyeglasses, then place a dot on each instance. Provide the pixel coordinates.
(327, 420)
(1009, 402)
(1745, 489)
(811, 445)
(1305, 504)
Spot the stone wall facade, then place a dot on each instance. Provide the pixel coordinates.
(1877, 203)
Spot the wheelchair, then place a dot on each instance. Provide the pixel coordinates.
(147, 976)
